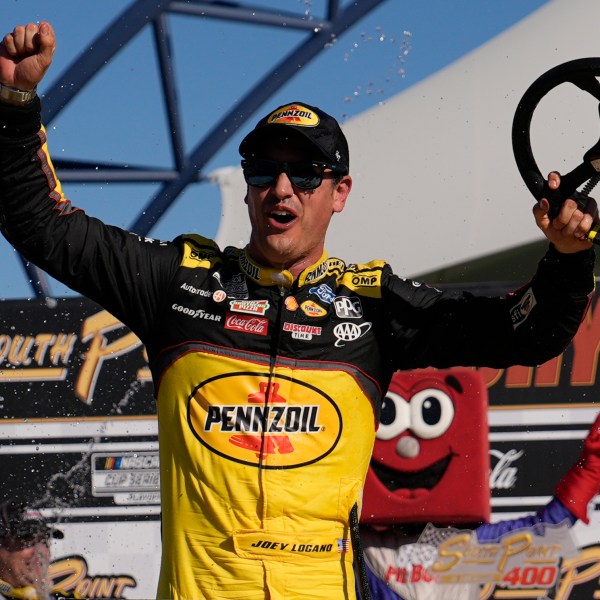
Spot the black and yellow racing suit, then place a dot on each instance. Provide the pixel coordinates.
(268, 389)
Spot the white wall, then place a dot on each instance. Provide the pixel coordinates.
(435, 181)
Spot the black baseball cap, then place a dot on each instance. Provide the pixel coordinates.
(314, 124)
(18, 521)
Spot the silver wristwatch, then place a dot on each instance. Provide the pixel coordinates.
(11, 95)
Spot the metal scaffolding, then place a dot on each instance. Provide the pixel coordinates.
(187, 167)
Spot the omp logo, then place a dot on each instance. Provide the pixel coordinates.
(364, 280)
(275, 422)
(294, 114)
(348, 332)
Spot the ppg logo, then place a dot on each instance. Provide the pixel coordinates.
(348, 332)
(348, 308)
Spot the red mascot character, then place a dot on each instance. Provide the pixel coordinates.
(430, 465)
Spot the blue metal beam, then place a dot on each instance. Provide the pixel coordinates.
(289, 66)
(187, 169)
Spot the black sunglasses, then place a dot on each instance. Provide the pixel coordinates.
(304, 175)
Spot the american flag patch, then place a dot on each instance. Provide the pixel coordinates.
(343, 545)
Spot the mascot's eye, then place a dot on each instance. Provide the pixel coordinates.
(395, 417)
(431, 413)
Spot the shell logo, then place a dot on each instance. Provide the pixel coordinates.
(294, 114)
(268, 421)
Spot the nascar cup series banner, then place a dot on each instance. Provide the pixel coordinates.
(78, 440)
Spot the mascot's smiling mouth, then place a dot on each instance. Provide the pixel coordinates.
(425, 479)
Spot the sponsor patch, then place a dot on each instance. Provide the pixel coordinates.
(312, 309)
(291, 303)
(247, 323)
(264, 419)
(194, 290)
(148, 240)
(520, 312)
(302, 332)
(294, 114)
(202, 254)
(348, 307)
(249, 268)
(195, 313)
(349, 332)
(236, 287)
(219, 296)
(364, 280)
(252, 307)
(317, 273)
(324, 293)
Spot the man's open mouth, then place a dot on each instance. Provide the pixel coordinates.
(282, 216)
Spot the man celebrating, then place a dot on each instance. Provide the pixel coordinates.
(270, 362)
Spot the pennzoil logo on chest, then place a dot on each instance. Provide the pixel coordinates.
(275, 422)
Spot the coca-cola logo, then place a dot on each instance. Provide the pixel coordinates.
(504, 473)
(247, 324)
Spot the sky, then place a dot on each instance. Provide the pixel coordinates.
(119, 115)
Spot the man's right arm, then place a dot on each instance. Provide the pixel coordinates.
(125, 273)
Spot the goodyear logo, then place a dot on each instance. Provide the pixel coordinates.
(276, 422)
(294, 114)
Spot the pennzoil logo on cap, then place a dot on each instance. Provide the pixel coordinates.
(294, 114)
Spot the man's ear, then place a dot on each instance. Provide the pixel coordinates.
(341, 192)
